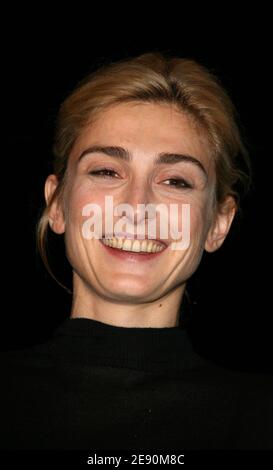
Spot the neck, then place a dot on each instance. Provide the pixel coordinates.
(159, 313)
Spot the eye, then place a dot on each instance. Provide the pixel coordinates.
(179, 183)
(102, 173)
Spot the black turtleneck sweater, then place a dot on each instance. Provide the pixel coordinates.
(99, 386)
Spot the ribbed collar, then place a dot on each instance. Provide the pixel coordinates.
(166, 351)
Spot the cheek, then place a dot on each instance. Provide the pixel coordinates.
(199, 219)
(79, 197)
(188, 260)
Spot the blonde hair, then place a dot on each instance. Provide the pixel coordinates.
(156, 78)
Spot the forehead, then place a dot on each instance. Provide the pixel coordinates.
(146, 128)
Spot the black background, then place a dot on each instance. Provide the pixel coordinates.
(232, 314)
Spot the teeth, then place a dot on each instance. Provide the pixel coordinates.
(119, 244)
(144, 244)
(136, 246)
(147, 246)
(126, 245)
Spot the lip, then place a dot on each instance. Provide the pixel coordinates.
(134, 237)
(123, 255)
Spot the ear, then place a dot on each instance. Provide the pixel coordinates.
(221, 224)
(55, 215)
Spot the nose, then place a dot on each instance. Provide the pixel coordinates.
(137, 196)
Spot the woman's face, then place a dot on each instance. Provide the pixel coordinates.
(144, 130)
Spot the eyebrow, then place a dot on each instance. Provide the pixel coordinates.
(161, 159)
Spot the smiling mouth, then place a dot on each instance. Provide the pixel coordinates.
(134, 246)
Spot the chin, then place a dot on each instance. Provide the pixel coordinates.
(129, 290)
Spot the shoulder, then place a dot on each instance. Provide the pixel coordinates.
(26, 372)
(233, 375)
(253, 390)
(17, 361)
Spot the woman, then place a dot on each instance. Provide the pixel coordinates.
(121, 372)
